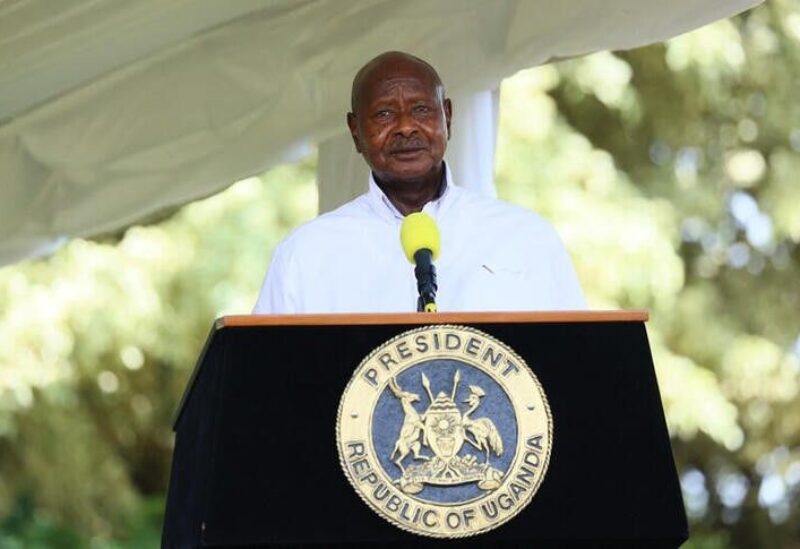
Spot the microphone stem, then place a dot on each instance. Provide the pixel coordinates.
(426, 281)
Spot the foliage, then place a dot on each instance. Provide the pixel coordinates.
(669, 171)
(99, 340)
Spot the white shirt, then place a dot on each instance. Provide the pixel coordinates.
(494, 257)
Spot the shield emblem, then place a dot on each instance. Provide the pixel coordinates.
(443, 428)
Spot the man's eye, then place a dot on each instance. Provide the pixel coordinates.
(383, 114)
(422, 108)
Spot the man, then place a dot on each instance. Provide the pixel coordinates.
(494, 256)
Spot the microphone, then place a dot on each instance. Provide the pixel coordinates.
(419, 236)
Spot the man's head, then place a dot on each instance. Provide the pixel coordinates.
(400, 119)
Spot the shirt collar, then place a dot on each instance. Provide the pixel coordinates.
(381, 204)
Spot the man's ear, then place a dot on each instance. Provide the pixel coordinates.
(352, 123)
(448, 114)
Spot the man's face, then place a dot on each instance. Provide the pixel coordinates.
(401, 123)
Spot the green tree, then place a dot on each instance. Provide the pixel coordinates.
(671, 172)
(98, 343)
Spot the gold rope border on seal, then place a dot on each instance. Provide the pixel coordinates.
(545, 461)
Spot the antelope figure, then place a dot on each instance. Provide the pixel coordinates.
(482, 429)
(408, 441)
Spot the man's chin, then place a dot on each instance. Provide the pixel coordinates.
(412, 170)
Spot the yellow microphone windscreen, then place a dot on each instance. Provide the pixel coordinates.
(418, 232)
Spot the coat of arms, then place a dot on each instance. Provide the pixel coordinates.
(443, 429)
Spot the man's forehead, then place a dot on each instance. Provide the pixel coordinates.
(393, 69)
(393, 83)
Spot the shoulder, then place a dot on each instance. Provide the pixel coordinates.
(494, 214)
(333, 226)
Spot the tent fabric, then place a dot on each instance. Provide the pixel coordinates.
(114, 110)
(470, 152)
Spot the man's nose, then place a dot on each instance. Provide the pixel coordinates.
(406, 123)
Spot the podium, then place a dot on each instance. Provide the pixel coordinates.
(256, 462)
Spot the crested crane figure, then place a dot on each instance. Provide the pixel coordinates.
(408, 441)
(482, 430)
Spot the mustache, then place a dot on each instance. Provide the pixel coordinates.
(403, 145)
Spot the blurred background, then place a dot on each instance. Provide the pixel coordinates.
(671, 173)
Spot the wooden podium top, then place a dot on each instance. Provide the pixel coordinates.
(432, 318)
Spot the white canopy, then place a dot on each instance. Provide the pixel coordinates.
(112, 110)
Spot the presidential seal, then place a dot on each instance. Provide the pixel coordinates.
(444, 431)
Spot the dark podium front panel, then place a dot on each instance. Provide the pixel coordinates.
(256, 462)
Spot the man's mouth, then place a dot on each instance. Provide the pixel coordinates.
(407, 152)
